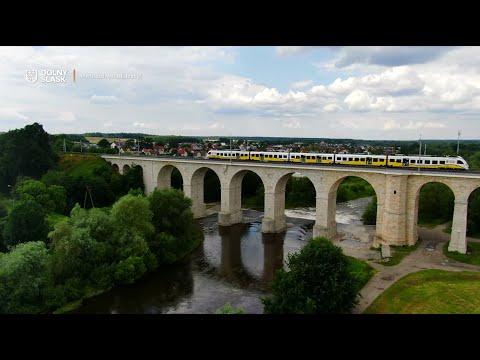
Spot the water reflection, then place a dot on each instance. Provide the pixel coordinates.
(249, 271)
(235, 264)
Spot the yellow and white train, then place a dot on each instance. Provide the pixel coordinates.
(398, 160)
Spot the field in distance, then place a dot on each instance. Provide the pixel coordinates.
(96, 139)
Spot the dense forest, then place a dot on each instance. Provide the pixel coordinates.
(71, 226)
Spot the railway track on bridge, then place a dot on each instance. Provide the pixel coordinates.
(301, 165)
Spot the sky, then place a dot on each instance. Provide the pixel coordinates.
(376, 93)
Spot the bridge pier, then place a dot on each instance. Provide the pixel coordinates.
(274, 220)
(231, 205)
(458, 239)
(394, 212)
(194, 191)
(325, 224)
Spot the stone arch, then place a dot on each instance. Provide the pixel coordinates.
(197, 190)
(413, 201)
(125, 169)
(164, 176)
(325, 224)
(115, 168)
(231, 207)
(473, 209)
(283, 183)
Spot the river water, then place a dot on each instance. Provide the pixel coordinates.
(233, 265)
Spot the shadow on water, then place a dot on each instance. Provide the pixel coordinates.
(234, 264)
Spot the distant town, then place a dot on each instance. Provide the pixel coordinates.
(200, 148)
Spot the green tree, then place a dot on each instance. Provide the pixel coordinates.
(104, 143)
(176, 234)
(473, 223)
(369, 217)
(58, 196)
(135, 177)
(436, 203)
(26, 152)
(26, 222)
(319, 281)
(3, 210)
(300, 192)
(52, 198)
(133, 213)
(24, 279)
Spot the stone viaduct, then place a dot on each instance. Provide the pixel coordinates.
(397, 193)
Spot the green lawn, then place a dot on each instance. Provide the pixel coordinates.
(362, 271)
(471, 257)
(398, 253)
(431, 292)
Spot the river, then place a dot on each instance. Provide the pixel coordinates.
(233, 265)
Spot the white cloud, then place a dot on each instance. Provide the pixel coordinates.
(293, 50)
(358, 100)
(216, 126)
(184, 91)
(300, 84)
(12, 114)
(331, 108)
(100, 99)
(292, 124)
(67, 116)
(391, 124)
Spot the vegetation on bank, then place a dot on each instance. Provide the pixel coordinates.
(471, 257)
(229, 309)
(92, 251)
(320, 280)
(430, 292)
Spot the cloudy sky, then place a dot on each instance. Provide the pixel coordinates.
(333, 92)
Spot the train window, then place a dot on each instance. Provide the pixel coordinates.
(398, 160)
(413, 161)
(329, 158)
(460, 162)
(442, 161)
(344, 159)
(357, 159)
(275, 156)
(420, 161)
(381, 160)
(435, 162)
(427, 161)
(392, 160)
(350, 159)
(375, 160)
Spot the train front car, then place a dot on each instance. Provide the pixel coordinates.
(462, 163)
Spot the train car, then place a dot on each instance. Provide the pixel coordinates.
(397, 161)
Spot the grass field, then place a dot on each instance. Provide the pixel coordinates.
(471, 257)
(431, 292)
(96, 139)
(362, 271)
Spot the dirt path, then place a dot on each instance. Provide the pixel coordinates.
(428, 255)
